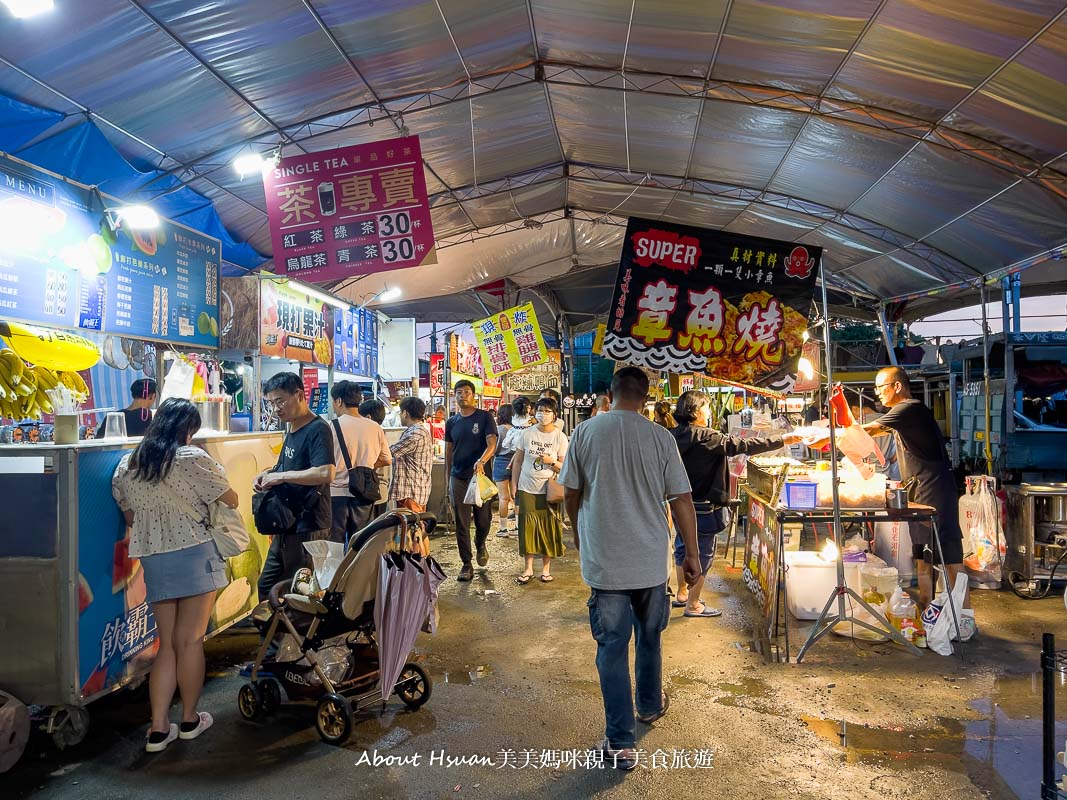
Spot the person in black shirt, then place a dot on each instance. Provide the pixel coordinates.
(704, 452)
(139, 412)
(304, 470)
(922, 457)
(470, 443)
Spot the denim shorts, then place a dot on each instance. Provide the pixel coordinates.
(184, 573)
(705, 543)
(502, 467)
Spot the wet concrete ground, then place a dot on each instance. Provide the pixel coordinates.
(515, 685)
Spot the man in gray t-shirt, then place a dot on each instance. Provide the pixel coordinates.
(619, 473)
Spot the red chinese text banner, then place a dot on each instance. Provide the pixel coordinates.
(350, 211)
(695, 300)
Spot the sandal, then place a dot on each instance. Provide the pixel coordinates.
(705, 611)
(665, 703)
(522, 580)
(547, 578)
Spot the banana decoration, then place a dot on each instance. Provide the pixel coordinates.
(24, 387)
(53, 349)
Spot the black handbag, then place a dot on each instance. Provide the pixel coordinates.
(272, 514)
(362, 481)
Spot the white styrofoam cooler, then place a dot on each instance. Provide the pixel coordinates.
(809, 580)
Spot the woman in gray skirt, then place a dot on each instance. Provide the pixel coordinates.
(164, 487)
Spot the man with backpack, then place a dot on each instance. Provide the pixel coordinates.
(360, 448)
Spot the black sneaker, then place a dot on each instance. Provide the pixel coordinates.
(465, 574)
(483, 556)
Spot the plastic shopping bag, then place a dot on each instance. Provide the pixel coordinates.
(983, 533)
(937, 618)
(472, 497)
(326, 557)
(179, 381)
(486, 488)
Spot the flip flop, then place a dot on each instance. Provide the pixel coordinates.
(707, 612)
(648, 719)
(547, 578)
(522, 580)
(679, 603)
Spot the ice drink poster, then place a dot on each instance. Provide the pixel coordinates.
(696, 300)
(510, 340)
(350, 211)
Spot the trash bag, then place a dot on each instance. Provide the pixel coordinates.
(984, 545)
(472, 497)
(937, 618)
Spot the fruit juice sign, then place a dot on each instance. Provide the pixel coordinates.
(63, 265)
(350, 211)
(696, 300)
(510, 340)
(293, 325)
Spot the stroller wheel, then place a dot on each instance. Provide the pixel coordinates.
(333, 719)
(270, 695)
(413, 686)
(250, 702)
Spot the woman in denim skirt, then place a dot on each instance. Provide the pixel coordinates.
(164, 488)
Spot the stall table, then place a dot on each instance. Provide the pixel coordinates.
(764, 566)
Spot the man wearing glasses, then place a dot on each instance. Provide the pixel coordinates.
(303, 473)
(922, 457)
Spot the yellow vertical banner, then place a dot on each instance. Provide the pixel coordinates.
(510, 340)
(598, 341)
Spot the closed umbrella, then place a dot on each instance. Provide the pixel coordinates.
(434, 576)
(399, 613)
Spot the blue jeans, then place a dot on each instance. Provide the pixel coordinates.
(613, 614)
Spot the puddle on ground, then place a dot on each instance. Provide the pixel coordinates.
(749, 694)
(464, 676)
(1000, 754)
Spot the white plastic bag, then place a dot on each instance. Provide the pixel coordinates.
(473, 497)
(326, 557)
(179, 381)
(892, 541)
(937, 618)
(983, 534)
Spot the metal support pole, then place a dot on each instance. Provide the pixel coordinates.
(1017, 302)
(1049, 668)
(985, 384)
(887, 337)
(827, 621)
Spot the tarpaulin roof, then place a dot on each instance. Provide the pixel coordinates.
(922, 144)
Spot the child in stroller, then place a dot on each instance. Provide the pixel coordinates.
(328, 653)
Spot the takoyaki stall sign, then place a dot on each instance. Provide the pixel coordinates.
(696, 300)
(350, 211)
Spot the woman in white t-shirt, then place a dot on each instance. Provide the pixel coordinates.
(164, 488)
(539, 457)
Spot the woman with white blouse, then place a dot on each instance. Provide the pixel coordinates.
(538, 458)
(164, 488)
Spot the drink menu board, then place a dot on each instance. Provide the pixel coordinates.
(63, 265)
(350, 211)
(355, 342)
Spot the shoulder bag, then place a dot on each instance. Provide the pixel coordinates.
(362, 481)
(225, 524)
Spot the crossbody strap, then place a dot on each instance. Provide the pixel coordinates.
(186, 506)
(341, 441)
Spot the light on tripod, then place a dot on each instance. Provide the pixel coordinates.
(829, 551)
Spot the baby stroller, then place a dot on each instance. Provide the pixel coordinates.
(328, 653)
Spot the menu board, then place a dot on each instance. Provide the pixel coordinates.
(294, 325)
(350, 211)
(355, 342)
(510, 340)
(62, 264)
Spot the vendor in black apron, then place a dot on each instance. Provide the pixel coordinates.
(921, 454)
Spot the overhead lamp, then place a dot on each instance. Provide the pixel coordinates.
(307, 289)
(249, 164)
(23, 9)
(135, 218)
(533, 224)
(384, 295)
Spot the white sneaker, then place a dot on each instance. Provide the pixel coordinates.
(161, 745)
(502, 533)
(205, 722)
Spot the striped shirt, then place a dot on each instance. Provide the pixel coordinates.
(412, 462)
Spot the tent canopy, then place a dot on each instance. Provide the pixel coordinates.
(924, 145)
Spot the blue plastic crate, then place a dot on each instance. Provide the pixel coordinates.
(801, 494)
